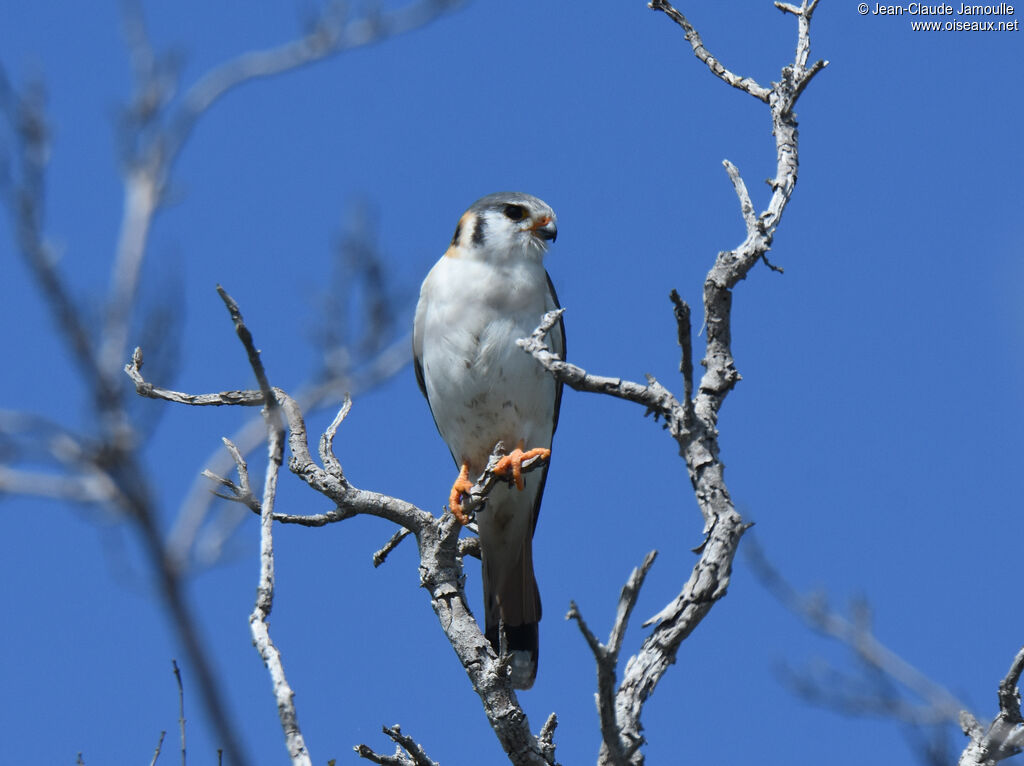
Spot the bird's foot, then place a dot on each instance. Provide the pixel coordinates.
(514, 461)
(461, 486)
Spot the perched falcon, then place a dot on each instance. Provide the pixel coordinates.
(488, 290)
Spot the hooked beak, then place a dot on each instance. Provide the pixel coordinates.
(545, 228)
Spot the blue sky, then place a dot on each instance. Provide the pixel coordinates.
(875, 438)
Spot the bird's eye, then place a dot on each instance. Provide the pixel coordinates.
(514, 212)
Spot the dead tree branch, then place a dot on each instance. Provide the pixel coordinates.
(1004, 737)
(437, 538)
(693, 422)
(407, 751)
(607, 657)
(359, 352)
(886, 685)
(258, 620)
(181, 709)
(104, 468)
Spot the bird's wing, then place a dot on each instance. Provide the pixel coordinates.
(417, 346)
(557, 344)
(417, 359)
(557, 336)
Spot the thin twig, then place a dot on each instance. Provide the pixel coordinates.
(156, 752)
(414, 754)
(381, 556)
(746, 84)
(684, 336)
(181, 708)
(327, 456)
(1004, 737)
(939, 705)
(695, 431)
(258, 620)
(615, 748)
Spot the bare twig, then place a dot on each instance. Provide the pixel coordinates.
(614, 748)
(158, 127)
(684, 336)
(156, 752)
(381, 556)
(440, 565)
(197, 505)
(258, 620)
(333, 32)
(413, 755)
(693, 422)
(223, 399)
(880, 665)
(327, 456)
(109, 470)
(181, 709)
(1004, 737)
(654, 397)
(546, 739)
(745, 84)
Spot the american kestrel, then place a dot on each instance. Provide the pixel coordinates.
(489, 289)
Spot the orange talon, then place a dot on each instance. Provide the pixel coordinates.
(515, 460)
(461, 485)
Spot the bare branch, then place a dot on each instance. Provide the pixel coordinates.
(694, 426)
(331, 33)
(327, 456)
(156, 752)
(615, 749)
(108, 472)
(746, 206)
(196, 506)
(440, 571)
(546, 738)
(268, 651)
(78, 489)
(413, 755)
(381, 556)
(258, 624)
(470, 546)
(110, 465)
(242, 492)
(1004, 737)
(685, 340)
(25, 204)
(181, 710)
(250, 348)
(873, 693)
(746, 84)
(653, 397)
(627, 600)
(222, 399)
(158, 130)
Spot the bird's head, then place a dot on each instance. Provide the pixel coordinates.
(505, 226)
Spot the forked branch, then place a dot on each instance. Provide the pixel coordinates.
(693, 421)
(440, 559)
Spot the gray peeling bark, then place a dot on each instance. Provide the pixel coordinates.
(692, 422)
(441, 571)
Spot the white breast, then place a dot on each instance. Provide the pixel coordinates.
(482, 388)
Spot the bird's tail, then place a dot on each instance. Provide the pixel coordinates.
(515, 605)
(522, 642)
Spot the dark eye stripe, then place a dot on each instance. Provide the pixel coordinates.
(458, 231)
(478, 230)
